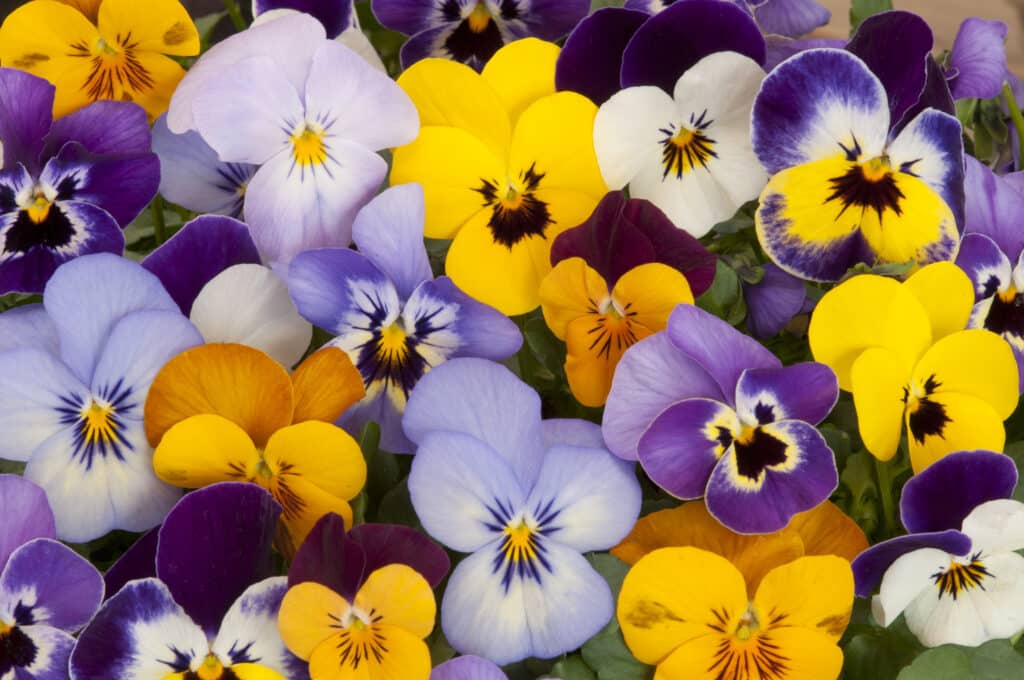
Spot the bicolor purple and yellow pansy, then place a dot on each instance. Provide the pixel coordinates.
(721, 419)
(524, 498)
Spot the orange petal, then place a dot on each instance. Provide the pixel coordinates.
(826, 530)
(326, 384)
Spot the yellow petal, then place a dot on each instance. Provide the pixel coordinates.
(947, 295)
(203, 450)
(808, 653)
(402, 656)
(674, 595)
(971, 424)
(452, 165)
(309, 614)
(879, 382)
(647, 294)
(700, 658)
(447, 93)
(165, 74)
(827, 530)
(401, 597)
(303, 503)
(975, 362)
(594, 345)
(237, 382)
(692, 525)
(522, 72)
(570, 291)
(162, 26)
(811, 592)
(90, 8)
(326, 383)
(254, 671)
(322, 454)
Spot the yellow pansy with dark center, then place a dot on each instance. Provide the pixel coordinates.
(962, 576)
(926, 418)
(868, 186)
(517, 213)
(686, 148)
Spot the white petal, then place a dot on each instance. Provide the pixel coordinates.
(249, 634)
(724, 84)
(908, 578)
(356, 40)
(628, 132)
(33, 384)
(28, 326)
(996, 526)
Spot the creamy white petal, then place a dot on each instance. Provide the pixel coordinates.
(996, 526)
(628, 132)
(907, 578)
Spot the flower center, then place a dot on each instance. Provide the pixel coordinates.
(516, 212)
(114, 70)
(479, 18)
(614, 330)
(756, 450)
(98, 425)
(686, 147)
(747, 626)
(868, 186)
(519, 542)
(1006, 316)
(16, 649)
(39, 209)
(925, 416)
(308, 145)
(361, 639)
(211, 668)
(961, 576)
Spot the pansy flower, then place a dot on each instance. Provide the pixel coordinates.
(902, 351)
(689, 153)
(790, 18)
(67, 186)
(467, 668)
(615, 280)
(389, 314)
(957, 577)
(211, 269)
(312, 119)
(992, 253)
(843, 191)
(472, 31)
(689, 612)
(47, 590)
(977, 61)
(773, 301)
(228, 412)
(75, 415)
(210, 612)
(126, 55)
(506, 165)
(525, 498)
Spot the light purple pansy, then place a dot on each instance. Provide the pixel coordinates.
(525, 498)
(773, 301)
(390, 315)
(790, 18)
(957, 577)
(471, 31)
(467, 668)
(977, 62)
(75, 414)
(67, 186)
(47, 590)
(211, 601)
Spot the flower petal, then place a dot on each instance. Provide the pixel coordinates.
(996, 526)
(827, 530)
(991, 200)
(523, 71)
(482, 330)
(335, 16)
(386, 544)
(28, 326)
(138, 561)
(467, 668)
(591, 58)
(55, 585)
(793, 18)
(204, 449)
(974, 362)
(389, 232)
(786, 590)
(776, 389)
(873, 563)
(945, 293)
(248, 633)
(52, 648)
(878, 381)
(930, 148)
(308, 616)
(28, 515)
(971, 423)
(163, 26)
(987, 266)
(906, 579)
(773, 301)
(26, 115)
(978, 59)
(401, 597)
(331, 558)
(32, 385)
(627, 132)
(326, 384)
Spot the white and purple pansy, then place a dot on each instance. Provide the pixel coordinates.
(47, 590)
(389, 313)
(72, 391)
(721, 419)
(209, 611)
(957, 576)
(992, 253)
(789, 18)
(525, 498)
(67, 186)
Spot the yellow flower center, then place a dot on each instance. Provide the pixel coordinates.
(211, 669)
(748, 625)
(876, 169)
(39, 209)
(960, 576)
(114, 70)
(1009, 295)
(520, 543)
(5, 629)
(308, 145)
(683, 150)
(747, 435)
(103, 48)
(479, 18)
(360, 640)
(97, 424)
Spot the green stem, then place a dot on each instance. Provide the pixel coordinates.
(1015, 116)
(236, 14)
(159, 225)
(885, 494)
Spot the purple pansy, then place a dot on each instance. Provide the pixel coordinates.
(773, 301)
(525, 498)
(977, 62)
(711, 413)
(467, 668)
(471, 31)
(335, 15)
(386, 310)
(67, 186)
(211, 602)
(47, 590)
(992, 253)
(790, 18)
(957, 577)
(74, 411)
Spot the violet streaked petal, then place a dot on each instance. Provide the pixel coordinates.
(987, 266)
(51, 648)
(389, 232)
(46, 582)
(26, 113)
(978, 59)
(28, 326)
(948, 490)
(552, 19)
(672, 41)
(591, 59)
(993, 205)
(759, 485)
(805, 391)
(773, 301)
(106, 128)
(871, 565)
(329, 285)
(895, 45)
(482, 330)
(328, 556)
(410, 16)
(467, 668)
(385, 544)
(213, 545)
(201, 250)
(721, 350)
(139, 561)
(792, 18)
(335, 15)
(26, 514)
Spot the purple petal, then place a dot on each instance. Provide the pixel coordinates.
(201, 250)
(591, 59)
(672, 41)
(331, 558)
(978, 60)
(805, 391)
(792, 18)
(935, 95)
(773, 301)
(948, 490)
(932, 145)
(429, 43)
(717, 347)
(213, 545)
(105, 128)
(676, 451)
(26, 514)
(407, 16)
(335, 15)
(993, 207)
(870, 566)
(26, 113)
(572, 432)
(780, 49)
(483, 331)
(756, 488)
(552, 19)
(28, 326)
(987, 266)
(467, 668)
(895, 46)
(385, 544)
(64, 589)
(51, 648)
(326, 284)
(389, 232)
(139, 561)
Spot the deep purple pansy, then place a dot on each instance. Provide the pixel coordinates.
(212, 602)
(790, 18)
(67, 186)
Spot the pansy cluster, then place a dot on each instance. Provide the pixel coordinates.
(509, 340)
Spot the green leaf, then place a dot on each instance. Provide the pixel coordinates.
(862, 9)
(724, 298)
(858, 479)
(875, 652)
(995, 660)
(206, 25)
(572, 668)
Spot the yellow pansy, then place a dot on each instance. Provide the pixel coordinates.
(506, 165)
(108, 49)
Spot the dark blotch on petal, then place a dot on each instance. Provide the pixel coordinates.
(16, 650)
(470, 46)
(759, 451)
(519, 216)
(1006, 316)
(53, 232)
(856, 189)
